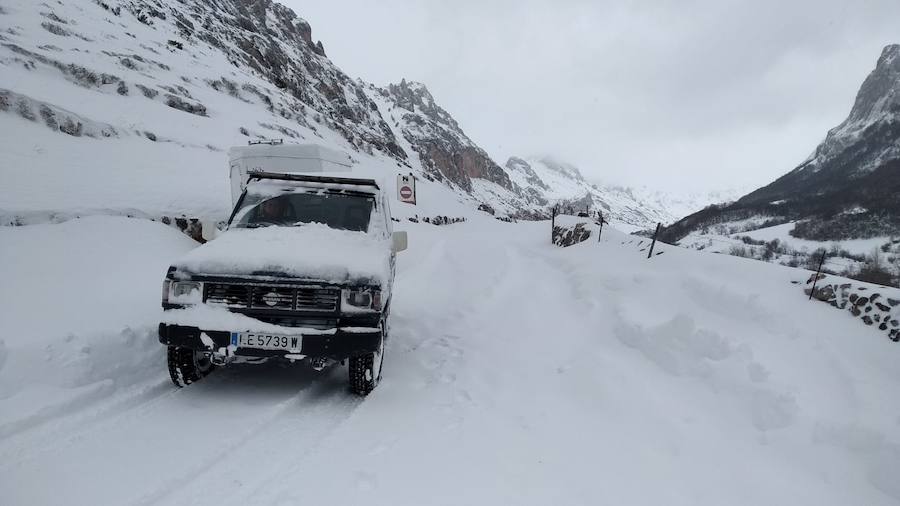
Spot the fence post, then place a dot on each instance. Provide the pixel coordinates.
(600, 234)
(818, 271)
(553, 212)
(650, 254)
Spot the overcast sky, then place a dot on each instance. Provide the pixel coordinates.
(674, 94)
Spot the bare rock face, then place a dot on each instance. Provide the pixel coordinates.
(565, 236)
(517, 164)
(271, 40)
(444, 149)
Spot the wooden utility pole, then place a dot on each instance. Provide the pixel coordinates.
(650, 254)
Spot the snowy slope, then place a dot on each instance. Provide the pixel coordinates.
(143, 129)
(682, 203)
(516, 373)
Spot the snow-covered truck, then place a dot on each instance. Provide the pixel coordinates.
(303, 271)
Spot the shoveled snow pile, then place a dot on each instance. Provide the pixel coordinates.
(311, 251)
(516, 373)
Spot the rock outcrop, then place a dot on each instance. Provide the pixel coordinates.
(444, 149)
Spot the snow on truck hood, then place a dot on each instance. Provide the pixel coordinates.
(312, 251)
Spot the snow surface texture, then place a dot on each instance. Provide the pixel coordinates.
(516, 373)
(311, 251)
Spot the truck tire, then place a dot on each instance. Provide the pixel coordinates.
(187, 366)
(365, 371)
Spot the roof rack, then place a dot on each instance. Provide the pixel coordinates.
(270, 142)
(312, 179)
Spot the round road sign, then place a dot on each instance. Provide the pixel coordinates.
(405, 192)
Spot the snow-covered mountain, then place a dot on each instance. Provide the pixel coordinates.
(547, 181)
(682, 203)
(128, 107)
(848, 187)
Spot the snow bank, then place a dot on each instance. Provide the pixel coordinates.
(79, 304)
(311, 251)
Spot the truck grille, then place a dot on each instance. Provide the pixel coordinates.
(287, 298)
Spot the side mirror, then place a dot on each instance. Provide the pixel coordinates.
(398, 241)
(209, 230)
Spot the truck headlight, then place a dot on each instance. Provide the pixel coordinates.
(363, 299)
(183, 292)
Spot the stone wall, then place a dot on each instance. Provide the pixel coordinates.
(872, 304)
(567, 235)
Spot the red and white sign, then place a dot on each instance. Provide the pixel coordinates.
(406, 188)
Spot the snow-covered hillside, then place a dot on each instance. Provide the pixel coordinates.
(682, 203)
(548, 181)
(121, 107)
(530, 375)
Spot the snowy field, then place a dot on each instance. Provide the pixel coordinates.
(516, 373)
(722, 243)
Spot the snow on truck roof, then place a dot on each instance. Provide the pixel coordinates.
(325, 179)
(302, 158)
(295, 159)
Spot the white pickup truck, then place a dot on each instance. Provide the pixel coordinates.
(304, 271)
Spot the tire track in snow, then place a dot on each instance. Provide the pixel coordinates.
(177, 437)
(59, 429)
(207, 477)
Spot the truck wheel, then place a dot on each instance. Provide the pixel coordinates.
(365, 371)
(187, 366)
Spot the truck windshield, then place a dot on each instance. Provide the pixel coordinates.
(336, 210)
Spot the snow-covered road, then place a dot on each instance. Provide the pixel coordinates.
(516, 373)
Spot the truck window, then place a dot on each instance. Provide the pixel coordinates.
(336, 210)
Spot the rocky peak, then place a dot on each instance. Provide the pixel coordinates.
(877, 105)
(445, 150)
(856, 167)
(880, 92)
(516, 164)
(415, 97)
(566, 169)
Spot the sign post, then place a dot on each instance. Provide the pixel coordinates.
(406, 188)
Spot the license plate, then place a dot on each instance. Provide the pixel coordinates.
(263, 341)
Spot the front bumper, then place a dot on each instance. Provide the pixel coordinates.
(340, 345)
